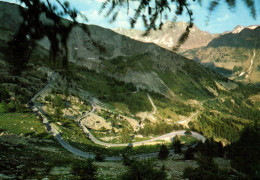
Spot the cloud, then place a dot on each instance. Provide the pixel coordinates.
(222, 19)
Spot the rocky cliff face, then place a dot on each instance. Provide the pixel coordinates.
(169, 35)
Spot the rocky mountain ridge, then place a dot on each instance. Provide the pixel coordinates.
(239, 28)
(168, 36)
(234, 54)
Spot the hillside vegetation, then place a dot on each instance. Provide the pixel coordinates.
(130, 92)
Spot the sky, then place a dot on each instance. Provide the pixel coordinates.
(222, 19)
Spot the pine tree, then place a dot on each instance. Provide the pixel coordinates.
(177, 144)
(189, 154)
(88, 171)
(164, 152)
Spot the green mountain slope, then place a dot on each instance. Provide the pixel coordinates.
(123, 75)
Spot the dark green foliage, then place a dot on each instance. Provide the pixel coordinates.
(207, 170)
(176, 144)
(164, 152)
(18, 52)
(58, 113)
(11, 107)
(4, 95)
(66, 92)
(126, 160)
(58, 102)
(110, 90)
(235, 114)
(14, 105)
(137, 102)
(48, 98)
(245, 152)
(223, 71)
(86, 171)
(3, 107)
(237, 69)
(189, 154)
(158, 128)
(33, 29)
(188, 132)
(125, 135)
(210, 148)
(191, 81)
(99, 156)
(144, 170)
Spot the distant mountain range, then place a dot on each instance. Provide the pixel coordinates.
(169, 35)
(235, 54)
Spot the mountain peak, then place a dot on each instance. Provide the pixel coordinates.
(168, 36)
(237, 29)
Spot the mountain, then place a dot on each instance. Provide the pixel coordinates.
(148, 60)
(234, 54)
(124, 77)
(239, 28)
(116, 90)
(168, 36)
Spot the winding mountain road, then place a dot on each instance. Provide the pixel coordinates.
(37, 110)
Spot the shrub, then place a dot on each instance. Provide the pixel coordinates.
(145, 170)
(189, 154)
(176, 144)
(99, 156)
(4, 95)
(48, 98)
(87, 171)
(164, 152)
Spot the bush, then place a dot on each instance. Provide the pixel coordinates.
(88, 171)
(210, 148)
(11, 107)
(99, 157)
(207, 169)
(176, 144)
(58, 113)
(126, 160)
(144, 170)
(48, 98)
(164, 152)
(189, 154)
(188, 132)
(4, 95)
(58, 102)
